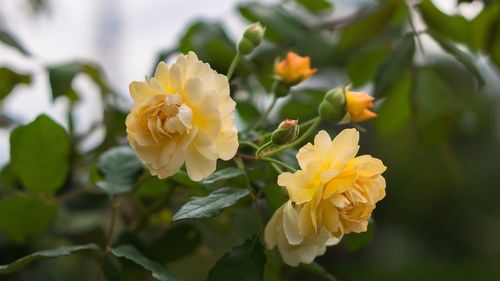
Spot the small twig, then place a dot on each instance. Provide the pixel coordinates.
(115, 204)
(246, 156)
(416, 32)
(74, 193)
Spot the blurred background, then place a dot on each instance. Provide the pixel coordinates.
(432, 65)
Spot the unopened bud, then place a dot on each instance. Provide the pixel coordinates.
(333, 105)
(245, 46)
(255, 33)
(287, 131)
(252, 37)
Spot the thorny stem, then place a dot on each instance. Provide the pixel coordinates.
(233, 66)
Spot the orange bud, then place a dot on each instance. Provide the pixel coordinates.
(358, 105)
(294, 68)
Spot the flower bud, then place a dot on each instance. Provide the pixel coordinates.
(287, 131)
(358, 105)
(245, 46)
(294, 69)
(333, 105)
(252, 37)
(255, 33)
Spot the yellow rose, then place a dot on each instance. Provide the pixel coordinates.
(334, 188)
(358, 105)
(184, 114)
(282, 230)
(294, 68)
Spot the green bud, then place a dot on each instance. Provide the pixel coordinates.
(245, 46)
(281, 89)
(255, 33)
(333, 105)
(287, 131)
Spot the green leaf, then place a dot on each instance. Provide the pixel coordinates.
(356, 241)
(9, 80)
(483, 27)
(178, 241)
(61, 78)
(223, 174)
(436, 106)
(396, 110)
(283, 27)
(120, 170)
(454, 27)
(465, 59)
(8, 181)
(363, 66)
(25, 216)
(244, 263)
(247, 111)
(315, 6)
(153, 188)
(158, 271)
(9, 40)
(275, 196)
(367, 27)
(393, 68)
(54, 253)
(40, 155)
(211, 205)
(280, 25)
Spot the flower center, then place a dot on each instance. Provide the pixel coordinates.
(167, 115)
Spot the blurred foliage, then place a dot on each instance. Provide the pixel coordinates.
(437, 96)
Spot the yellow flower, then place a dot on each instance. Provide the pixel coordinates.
(183, 114)
(294, 69)
(334, 188)
(358, 105)
(283, 231)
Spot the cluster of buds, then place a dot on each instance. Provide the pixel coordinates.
(252, 38)
(340, 104)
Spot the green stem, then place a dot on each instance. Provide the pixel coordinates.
(413, 26)
(264, 116)
(298, 141)
(276, 161)
(249, 143)
(259, 150)
(233, 66)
